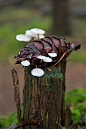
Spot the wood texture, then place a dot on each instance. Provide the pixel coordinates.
(44, 97)
(16, 93)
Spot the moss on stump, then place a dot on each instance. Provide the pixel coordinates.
(44, 97)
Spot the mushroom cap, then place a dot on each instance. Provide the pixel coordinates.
(37, 72)
(41, 57)
(47, 59)
(25, 63)
(30, 33)
(37, 31)
(52, 54)
(22, 37)
(40, 36)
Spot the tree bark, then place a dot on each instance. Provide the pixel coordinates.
(44, 97)
(61, 23)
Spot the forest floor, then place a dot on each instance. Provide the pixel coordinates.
(75, 78)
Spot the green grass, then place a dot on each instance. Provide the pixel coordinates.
(8, 120)
(76, 99)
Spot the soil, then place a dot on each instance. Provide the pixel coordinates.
(75, 78)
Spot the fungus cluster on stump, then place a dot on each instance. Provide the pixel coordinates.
(43, 93)
(42, 51)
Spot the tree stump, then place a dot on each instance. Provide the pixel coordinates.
(44, 97)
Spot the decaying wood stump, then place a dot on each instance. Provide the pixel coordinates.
(44, 97)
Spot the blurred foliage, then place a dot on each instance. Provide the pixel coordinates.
(8, 31)
(16, 20)
(79, 56)
(8, 120)
(76, 100)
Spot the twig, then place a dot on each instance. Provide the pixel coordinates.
(24, 123)
(75, 125)
(16, 92)
(59, 59)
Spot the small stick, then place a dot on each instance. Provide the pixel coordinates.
(16, 93)
(33, 122)
(59, 59)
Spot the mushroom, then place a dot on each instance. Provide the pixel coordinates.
(52, 54)
(41, 57)
(40, 36)
(22, 37)
(38, 31)
(47, 59)
(30, 33)
(25, 63)
(37, 72)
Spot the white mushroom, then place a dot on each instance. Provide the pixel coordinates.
(25, 63)
(22, 37)
(30, 33)
(52, 54)
(37, 72)
(47, 59)
(38, 31)
(19, 53)
(40, 36)
(41, 57)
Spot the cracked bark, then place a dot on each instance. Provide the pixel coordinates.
(43, 98)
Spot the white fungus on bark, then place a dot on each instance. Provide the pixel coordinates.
(22, 37)
(25, 63)
(41, 57)
(37, 72)
(52, 54)
(47, 59)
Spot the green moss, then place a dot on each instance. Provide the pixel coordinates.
(55, 72)
(50, 75)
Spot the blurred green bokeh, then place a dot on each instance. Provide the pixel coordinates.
(16, 20)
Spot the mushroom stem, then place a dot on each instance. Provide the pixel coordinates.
(45, 33)
(25, 43)
(31, 38)
(38, 36)
(41, 61)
